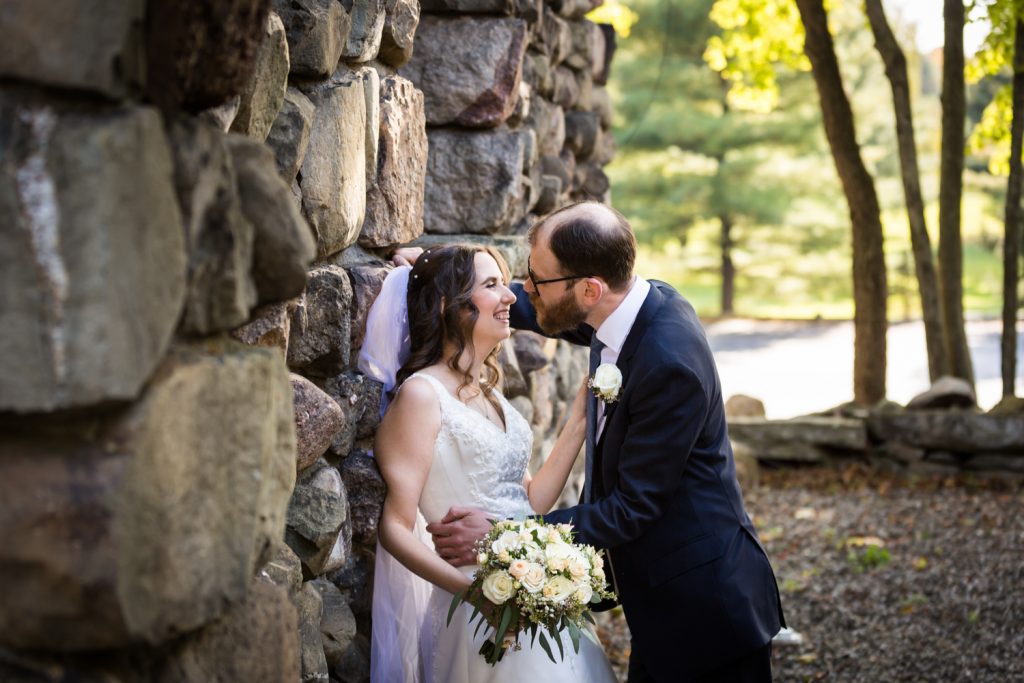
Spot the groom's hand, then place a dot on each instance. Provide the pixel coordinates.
(455, 536)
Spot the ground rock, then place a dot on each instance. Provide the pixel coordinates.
(84, 45)
(284, 568)
(394, 204)
(337, 626)
(289, 135)
(261, 100)
(255, 640)
(950, 430)
(108, 522)
(945, 392)
(799, 439)
(333, 175)
(316, 513)
(321, 325)
(187, 64)
(270, 326)
(400, 22)
(311, 609)
(468, 68)
(318, 419)
(740, 405)
(459, 163)
(284, 245)
(317, 31)
(77, 332)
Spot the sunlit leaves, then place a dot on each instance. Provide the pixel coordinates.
(618, 15)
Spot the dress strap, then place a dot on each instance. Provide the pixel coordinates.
(439, 388)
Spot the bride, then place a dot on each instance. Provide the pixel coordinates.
(450, 438)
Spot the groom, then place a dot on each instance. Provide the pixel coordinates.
(661, 494)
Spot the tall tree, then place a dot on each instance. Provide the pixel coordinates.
(896, 71)
(1014, 217)
(954, 110)
(869, 276)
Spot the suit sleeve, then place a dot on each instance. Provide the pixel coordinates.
(523, 316)
(666, 415)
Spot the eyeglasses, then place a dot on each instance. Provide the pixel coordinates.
(538, 283)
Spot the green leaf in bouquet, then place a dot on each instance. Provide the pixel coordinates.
(547, 648)
(533, 634)
(589, 617)
(480, 623)
(574, 634)
(503, 624)
(558, 641)
(456, 601)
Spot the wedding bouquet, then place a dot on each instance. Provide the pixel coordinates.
(533, 578)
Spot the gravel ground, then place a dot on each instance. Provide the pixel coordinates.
(889, 578)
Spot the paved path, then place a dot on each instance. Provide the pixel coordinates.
(798, 367)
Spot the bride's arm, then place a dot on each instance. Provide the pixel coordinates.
(544, 488)
(404, 449)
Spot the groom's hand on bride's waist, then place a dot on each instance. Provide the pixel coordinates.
(455, 536)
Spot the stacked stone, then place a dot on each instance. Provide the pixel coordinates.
(146, 457)
(518, 125)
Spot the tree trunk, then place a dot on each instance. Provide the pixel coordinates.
(954, 110)
(1014, 215)
(728, 270)
(924, 266)
(869, 276)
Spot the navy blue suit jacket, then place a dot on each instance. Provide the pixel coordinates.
(693, 578)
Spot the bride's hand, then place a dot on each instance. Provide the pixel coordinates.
(578, 410)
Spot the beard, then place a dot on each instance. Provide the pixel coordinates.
(562, 316)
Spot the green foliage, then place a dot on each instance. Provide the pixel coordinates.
(867, 557)
(615, 13)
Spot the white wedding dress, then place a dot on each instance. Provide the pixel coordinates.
(477, 464)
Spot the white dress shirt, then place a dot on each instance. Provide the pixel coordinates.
(615, 328)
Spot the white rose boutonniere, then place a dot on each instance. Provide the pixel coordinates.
(606, 382)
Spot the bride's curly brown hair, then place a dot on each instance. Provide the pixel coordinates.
(441, 309)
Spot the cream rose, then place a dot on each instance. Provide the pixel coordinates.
(584, 593)
(578, 567)
(518, 568)
(557, 555)
(498, 587)
(534, 578)
(559, 588)
(507, 541)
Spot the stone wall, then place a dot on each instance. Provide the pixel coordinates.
(197, 200)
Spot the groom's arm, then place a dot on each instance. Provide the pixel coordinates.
(666, 415)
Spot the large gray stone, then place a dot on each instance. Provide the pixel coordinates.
(400, 22)
(284, 245)
(565, 89)
(359, 398)
(255, 640)
(808, 439)
(149, 524)
(92, 254)
(270, 327)
(394, 204)
(582, 132)
(355, 581)
(740, 405)
(80, 44)
(367, 18)
(316, 514)
(220, 238)
(283, 569)
(950, 430)
(474, 181)
(555, 37)
(321, 334)
(200, 54)
(513, 248)
(587, 47)
(317, 31)
(468, 68)
(289, 136)
(548, 121)
(311, 610)
(337, 625)
(367, 281)
(366, 490)
(318, 419)
(946, 392)
(261, 100)
(333, 176)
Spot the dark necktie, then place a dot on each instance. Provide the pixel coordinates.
(595, 359)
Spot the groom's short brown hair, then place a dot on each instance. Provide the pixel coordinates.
(593, 239)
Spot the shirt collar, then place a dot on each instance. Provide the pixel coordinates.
(615, 328)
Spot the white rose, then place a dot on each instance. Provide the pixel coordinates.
(503, 556)
(507, 541)
(534, 578)
(584, 593)
(481, 559)
(498, 587)
(606, 381)
(559, 588)
(599, 574)
(578, 567)
(554, 536)
(557, 555)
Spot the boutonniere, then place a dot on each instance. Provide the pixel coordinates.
(606, 382)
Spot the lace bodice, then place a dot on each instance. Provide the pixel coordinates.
(476, 463)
